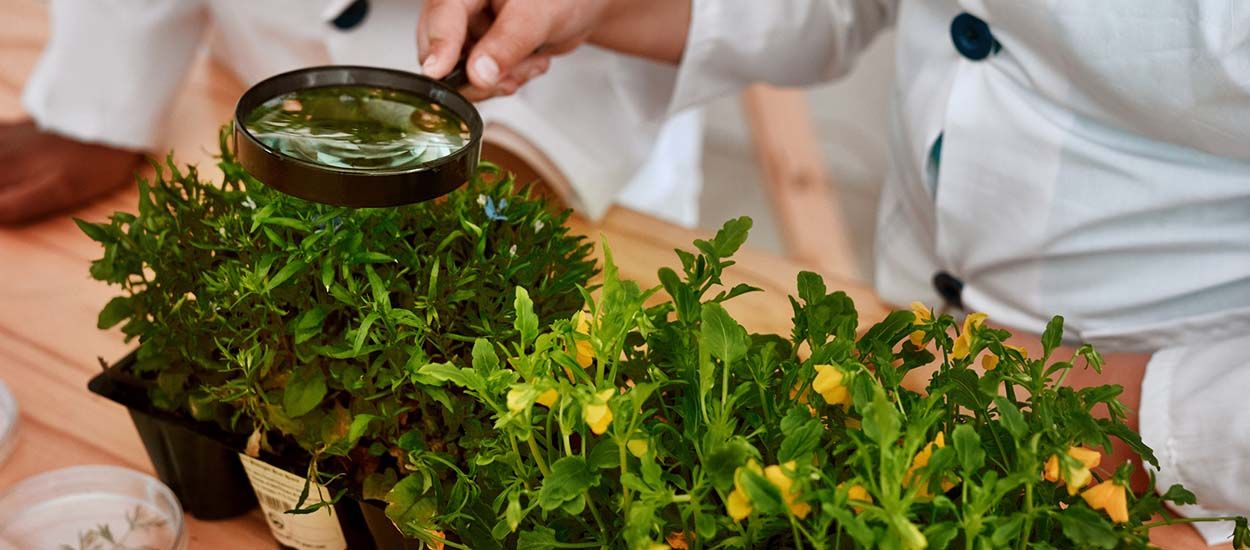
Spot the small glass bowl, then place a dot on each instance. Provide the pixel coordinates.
(87, 506)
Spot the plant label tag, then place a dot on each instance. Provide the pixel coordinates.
(278, 491)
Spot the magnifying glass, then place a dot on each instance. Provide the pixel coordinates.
(358, 136)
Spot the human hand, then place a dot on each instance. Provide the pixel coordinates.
(46, 173)
(515, 39)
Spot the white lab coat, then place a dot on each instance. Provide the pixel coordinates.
(1094, 163)
(112, 68)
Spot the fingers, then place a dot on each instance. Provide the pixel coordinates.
(524, 71)
(441, 33)
(519, 29)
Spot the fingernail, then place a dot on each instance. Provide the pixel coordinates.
(486, 69)
(428, 65)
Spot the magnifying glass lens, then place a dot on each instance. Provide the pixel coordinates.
(358, 127)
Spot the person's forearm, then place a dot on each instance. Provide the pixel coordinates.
(654, 29)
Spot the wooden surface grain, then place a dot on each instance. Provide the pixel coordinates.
(49, 343)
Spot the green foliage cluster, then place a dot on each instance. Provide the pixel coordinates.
(431, 353)
(679, 428)
(305, 323)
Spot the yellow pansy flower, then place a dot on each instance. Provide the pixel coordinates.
(830, 383)
(1076, 478)
(921, 460)
(598, 415)
(549, 398)
(780, 478)
(859, 493)
(585, 353)
(990, 361)
(739, 504)
(923, 316)
(1110, 497)
(637, 447)
(963, 342)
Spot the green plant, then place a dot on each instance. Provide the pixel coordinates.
(648, 426)
(274, 316)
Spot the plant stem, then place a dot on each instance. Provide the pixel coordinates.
(1179, 521)
(538, 457)
(1027, 531)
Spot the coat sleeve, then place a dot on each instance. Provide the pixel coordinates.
(733, 43)
(111, 68)
(1193, 416)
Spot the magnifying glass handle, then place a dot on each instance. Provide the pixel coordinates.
(459, 75)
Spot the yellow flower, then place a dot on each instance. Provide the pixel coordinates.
(637, 447)
(517, 398)
(1076, 478)
(585, 351)
(778, 476)
(963, 342)
(859, 493)
(739, 504)
(830, 383)
(549, 398)
(599, 415)
(658, 546)
(923, 316)
(989, 361)
(921, 460)
(1108, 496)
(921, 312)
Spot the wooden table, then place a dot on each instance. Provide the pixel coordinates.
(49, 343)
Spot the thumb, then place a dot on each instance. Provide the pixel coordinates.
(517, 32)
(440, 35)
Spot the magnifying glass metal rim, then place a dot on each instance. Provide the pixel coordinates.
(358, 188)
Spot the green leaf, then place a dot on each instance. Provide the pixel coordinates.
(538, 538)
(968, 448)
(1011, 418)
(362, 332)
(97, 232)
(1178, 494)
(485, 360)
(724, 460)
(1084, 527)
(289, 270)
(378, 484)
(1008, 530)
(881, 422)
(802, 441)
(731, 236)
(117, 310)
(526, 321)
(308, 324)
(723, 336)
(605, 455)
(304, 391)
(1052, 337)
(569, 479)
(406, 503)
(765, 497)
(811, 287)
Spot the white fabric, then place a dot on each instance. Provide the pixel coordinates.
(1098, 167)
(112, 68)
(1194, 416)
